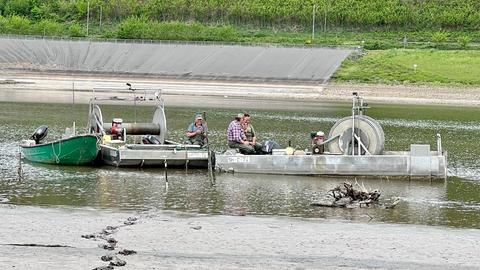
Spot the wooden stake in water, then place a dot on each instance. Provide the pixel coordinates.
(166, 175)
(211, 173)
(20, 172)
(73, 109)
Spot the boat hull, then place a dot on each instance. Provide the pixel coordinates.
(78, 150)
(153, 156)
(390, 164)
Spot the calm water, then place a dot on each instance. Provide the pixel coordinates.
(455, 202)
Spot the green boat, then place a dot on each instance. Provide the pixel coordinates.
(75, 150)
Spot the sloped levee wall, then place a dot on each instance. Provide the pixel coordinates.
(178, 60)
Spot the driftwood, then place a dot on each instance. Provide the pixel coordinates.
(347, 196)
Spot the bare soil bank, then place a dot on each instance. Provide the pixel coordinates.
(409, 94)
(51, 238)
(48, 87)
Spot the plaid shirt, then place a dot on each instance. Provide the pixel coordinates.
(235, 132)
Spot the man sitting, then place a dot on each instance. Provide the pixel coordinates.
(236, 136)
(250, 134)
(196, 131)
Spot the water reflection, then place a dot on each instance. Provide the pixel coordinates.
(240, 194)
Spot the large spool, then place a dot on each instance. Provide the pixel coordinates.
(158, 126)
(160, 119)
(367, 128)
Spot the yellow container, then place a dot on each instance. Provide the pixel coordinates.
(106, 139)
(289, 150)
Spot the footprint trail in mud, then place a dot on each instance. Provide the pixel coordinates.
(111, 244)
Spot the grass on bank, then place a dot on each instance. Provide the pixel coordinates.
(413, 66)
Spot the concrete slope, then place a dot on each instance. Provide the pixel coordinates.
(174, 60)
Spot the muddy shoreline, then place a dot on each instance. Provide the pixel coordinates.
(166, 240)
(22, 86)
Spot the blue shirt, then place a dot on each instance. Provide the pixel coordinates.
(193, 128)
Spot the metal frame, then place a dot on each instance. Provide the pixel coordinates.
(94, 102)
(358, 107)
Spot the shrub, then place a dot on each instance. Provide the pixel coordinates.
(43, 12)
(18, 7)
(463, 41)
(141, 28)
(375, 45)
(3, 24)
(18, 25)
(439, 37)
(133, 28)
(76, 30)
(48, 28)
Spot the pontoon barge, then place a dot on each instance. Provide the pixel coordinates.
(355, 148)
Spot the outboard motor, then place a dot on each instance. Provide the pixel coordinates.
(268, 146)
(39, 134)
(150, 139)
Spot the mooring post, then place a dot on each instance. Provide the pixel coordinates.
(353, 123)
(20, 173)
(166, 175)
(211, 170)
(439, 144)
(211, 173)
(186, 159)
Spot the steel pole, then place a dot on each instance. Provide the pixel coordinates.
(313, 21)
(88, 15)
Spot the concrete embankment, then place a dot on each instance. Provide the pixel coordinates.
(174, 59)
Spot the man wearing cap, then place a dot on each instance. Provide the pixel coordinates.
(196, 131)
(236, 137)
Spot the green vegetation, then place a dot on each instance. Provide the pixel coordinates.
(379, 25)
(374, 24)
(414, 66)
(413, 14)
(141, 28)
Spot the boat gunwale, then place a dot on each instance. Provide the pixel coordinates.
(60, 140)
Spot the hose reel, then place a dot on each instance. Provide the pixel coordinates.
(158, 126)
(368, 131)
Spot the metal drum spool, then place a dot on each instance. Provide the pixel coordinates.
(367, 128)
(161, 121)
(158, 126)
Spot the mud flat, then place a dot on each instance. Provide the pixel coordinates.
(24, 86)
(73, 238)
